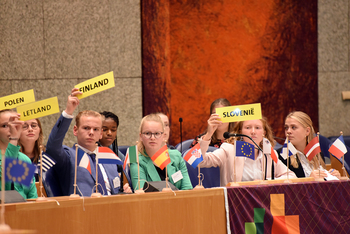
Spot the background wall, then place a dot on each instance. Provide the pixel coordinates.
(333, 66)
(52, 45)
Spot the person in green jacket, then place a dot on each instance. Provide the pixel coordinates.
(10, 131)
(151, 140)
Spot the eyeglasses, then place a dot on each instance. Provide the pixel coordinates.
(32, 125)
(149, 134)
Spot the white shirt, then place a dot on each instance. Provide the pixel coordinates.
(252, 169)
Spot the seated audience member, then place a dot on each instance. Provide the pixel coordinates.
(166, 122)
(218, 136)
(246, 169)
(88, 131)
(109, 138)
(30, 141)
(298, 127)
(109, 133)
(10, 131)
(151, 140)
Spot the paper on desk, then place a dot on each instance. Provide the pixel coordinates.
(329, 176)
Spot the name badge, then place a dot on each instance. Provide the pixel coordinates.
(116, 182)
(177, 176)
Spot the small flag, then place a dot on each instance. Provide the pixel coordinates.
(291, 148)
(194, 156)
(83, 160)
(130, 157)
(245, 149)
(47, 162)
(338, 148)
(267, 149)
(106, 156)
(19, 171)
(161, 157)
(312, 148)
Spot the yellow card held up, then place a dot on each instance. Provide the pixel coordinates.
(38, 109)
(17, 99)
(96, 85)
(239, 113)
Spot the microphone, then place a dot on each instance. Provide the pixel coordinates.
(180, 120)
(228, 135)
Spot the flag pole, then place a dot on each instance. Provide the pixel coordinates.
(75, 195)
(319, 162)
(288, 160)
(234, 183)
(41, 198)
(3, 225)
(139, 191)
(199, 185)
(97, 194)
(166, 189)
(343, 177)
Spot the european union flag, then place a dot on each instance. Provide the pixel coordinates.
(19, 171)
(245, 149)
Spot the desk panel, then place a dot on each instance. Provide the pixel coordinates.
(310, 207)
(186, 212)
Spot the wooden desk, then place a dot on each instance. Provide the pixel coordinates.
(187, 212)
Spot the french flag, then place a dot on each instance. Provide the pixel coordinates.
(83, 160)
(194, 156)
(106, 156)
(338, 148)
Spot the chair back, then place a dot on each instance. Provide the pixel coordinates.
(210, 176)
(51, 183)
(183, 146)
(123, 148)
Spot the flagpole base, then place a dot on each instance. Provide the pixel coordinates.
(4, 227)
(343, 178)
(263, 182)
(74, 196)
(288, 181)
(167, 190)
(139, 191)
(96, 195)
(198, 187)
(233, 184)
(41, 199)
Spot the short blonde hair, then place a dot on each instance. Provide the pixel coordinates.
(147, 118)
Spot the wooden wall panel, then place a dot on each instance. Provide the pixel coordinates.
(196, 51)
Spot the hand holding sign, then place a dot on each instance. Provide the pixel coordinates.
(239, 113)
(15, 127)
(73, 101)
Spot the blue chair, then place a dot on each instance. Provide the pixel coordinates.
(123, 148)
(211, 175)
(185, 145)
(51, 183)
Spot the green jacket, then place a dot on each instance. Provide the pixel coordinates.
(27, 192)
(148, 171)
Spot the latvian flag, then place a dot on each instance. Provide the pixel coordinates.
(312, 149)
(106, 156)
(161, 157)
(338, 148)
(47, 162)
(83, 160)
(194, 156)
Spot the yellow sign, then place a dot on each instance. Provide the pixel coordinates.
(239, 113)
(39, 109)
(96, 85)
(17, 99)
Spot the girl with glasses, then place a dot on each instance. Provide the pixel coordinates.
(151, 139)
(30, 141)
